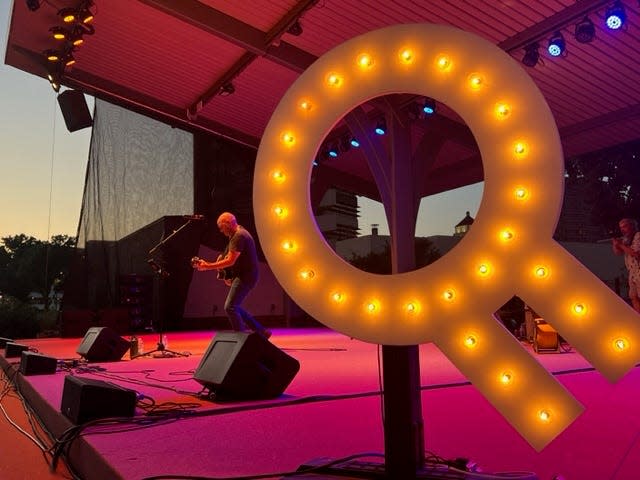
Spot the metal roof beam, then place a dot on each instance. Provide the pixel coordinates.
(243, 62)
(239, 33)
(151, 107)
(557, 21)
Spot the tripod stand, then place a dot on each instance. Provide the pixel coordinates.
(161, 350)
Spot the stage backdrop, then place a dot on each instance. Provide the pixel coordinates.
(143, 177)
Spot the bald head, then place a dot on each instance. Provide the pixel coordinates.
(227, 223)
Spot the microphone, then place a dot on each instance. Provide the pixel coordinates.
(193, 217)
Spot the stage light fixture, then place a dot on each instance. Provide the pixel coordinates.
(69, 60)
(85, 15)
(429, 106)
(76, 38)
(557, 45)
(33, 5)
(55, 83)
(615, 16)
(68, 15)
(531, 55)
(333, 151)
(354, 142)
(381, 127)
(52, 55)
(295, 29)
(585, 31)
(59, 33)
(82, 14)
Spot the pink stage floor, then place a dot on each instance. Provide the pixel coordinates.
(331, 410)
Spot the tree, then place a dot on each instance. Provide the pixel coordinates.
(380, 262)
(611, 180)
(30, 265)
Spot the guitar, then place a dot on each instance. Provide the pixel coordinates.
(224, 274)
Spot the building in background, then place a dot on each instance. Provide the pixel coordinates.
(337, 215)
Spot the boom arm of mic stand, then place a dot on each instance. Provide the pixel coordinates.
(165, 240)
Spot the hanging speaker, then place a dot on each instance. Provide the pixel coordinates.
(74, 110)
(239, 365)
(102, 344)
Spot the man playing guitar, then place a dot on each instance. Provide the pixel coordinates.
(240, 254)
(224, 274)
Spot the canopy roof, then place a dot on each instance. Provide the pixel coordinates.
(174, 61)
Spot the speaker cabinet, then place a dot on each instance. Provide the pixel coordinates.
(74, 110)
(240, 365)
(33, 363)
(12, 350)
(85, 399)
(102, 344)
(4, 341)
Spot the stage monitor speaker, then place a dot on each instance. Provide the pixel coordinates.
(33, 363)
(74, 110)
(4, 341)
(85, 399)
(102, 344)
(12, 350)
(239, 365)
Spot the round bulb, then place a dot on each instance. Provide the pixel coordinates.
(334, 80)
(278, 176)
(506, 378)
(406, 55)
(444, 63)
(288, 139)
(541, 272)
(521, 193)
(365, 61)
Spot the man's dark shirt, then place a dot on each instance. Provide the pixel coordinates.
(246, 266)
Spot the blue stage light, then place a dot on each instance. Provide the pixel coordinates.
(556, 45)
(381, 127)
(429, 106)
(354, 142)
(615, 16)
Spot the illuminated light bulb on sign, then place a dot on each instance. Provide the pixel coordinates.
(365, 61)
(406, 55)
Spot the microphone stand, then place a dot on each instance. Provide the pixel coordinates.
(161, 349)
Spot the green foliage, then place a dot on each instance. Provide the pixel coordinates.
(17, 319)
(380, 262)
(31, 265)
(611, 180)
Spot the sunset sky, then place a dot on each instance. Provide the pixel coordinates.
(43, 165)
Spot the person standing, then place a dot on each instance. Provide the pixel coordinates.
(629, 246)
(238, 266)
